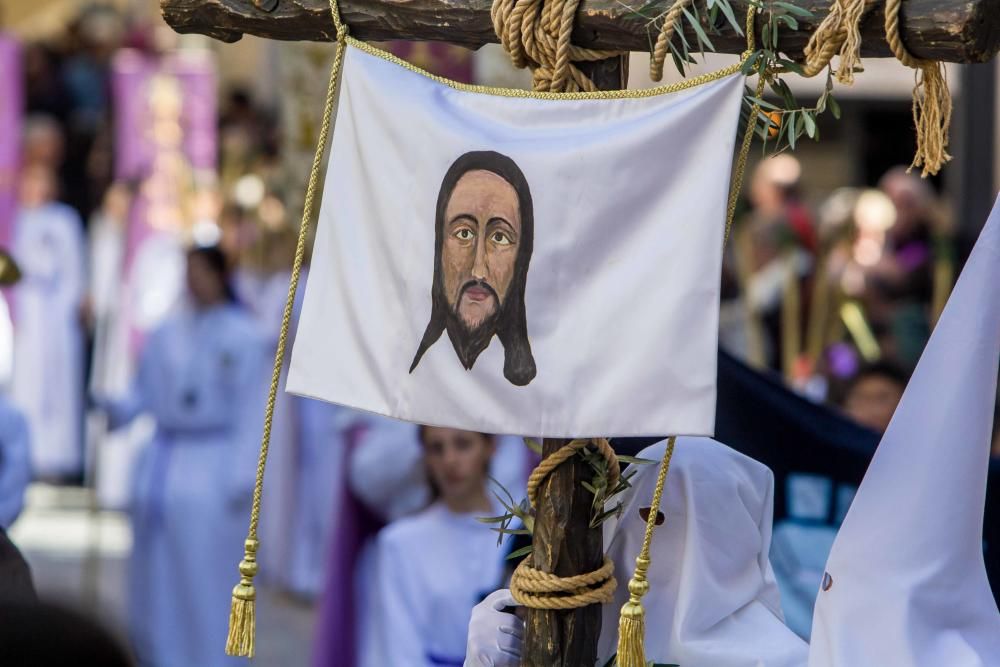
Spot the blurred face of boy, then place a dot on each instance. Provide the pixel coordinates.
(872, 401)
(458, 463)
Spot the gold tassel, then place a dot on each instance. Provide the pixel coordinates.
(242, 614)
(632, 620)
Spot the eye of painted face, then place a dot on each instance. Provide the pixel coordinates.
(500, 238)
(464, 234)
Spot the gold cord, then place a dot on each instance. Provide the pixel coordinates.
(241, 638)
(631, 622)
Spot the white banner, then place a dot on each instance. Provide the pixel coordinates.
(516, 264)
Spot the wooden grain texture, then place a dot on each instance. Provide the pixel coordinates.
(566, 545)
(948, 30)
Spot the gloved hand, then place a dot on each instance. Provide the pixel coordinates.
(494, 636)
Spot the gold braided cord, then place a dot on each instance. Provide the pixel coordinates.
(564, 453)
(241, 638)
(623, 94)
(631, 621)
(542, 590)
(736, 184)
(931, 99)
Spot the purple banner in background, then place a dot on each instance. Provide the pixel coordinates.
(166, 145)
(11, 118)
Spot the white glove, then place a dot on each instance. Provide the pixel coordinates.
(494, 636)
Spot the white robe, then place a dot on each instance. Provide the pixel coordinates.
(713, 601)
(199, 378)
(15, 462)
(432, 569)
(48, 345)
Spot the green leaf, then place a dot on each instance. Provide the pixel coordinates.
(834, 107)
(810, 124)
(493, 519)
(789, 21)
(523, 551)
(792, 119)
(794, 9)
(634, 460)
(764, 104)
(727, 9)
(533, 445)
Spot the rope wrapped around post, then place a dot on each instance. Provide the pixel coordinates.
(543, 590)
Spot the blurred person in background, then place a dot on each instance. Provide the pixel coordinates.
(432, 568)
(774, 254)
(199, 377)
(912, 278)
(48, 340)
(15, 474)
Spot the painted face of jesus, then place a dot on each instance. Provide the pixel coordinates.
(482, 227)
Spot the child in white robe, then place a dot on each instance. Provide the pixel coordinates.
(433, 567)
(199, 377)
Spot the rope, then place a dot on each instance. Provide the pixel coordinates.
(242, 617)
(554, 460)
(541, 590)
(536, 34)
(932, 109)
(839, 32)
(537, 589)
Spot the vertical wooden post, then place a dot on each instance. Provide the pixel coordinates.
(565, 544)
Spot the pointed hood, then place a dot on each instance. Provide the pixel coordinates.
(906, 584)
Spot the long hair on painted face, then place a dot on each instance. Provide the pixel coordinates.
(509, 321)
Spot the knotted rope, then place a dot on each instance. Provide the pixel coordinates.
(536, 34)
(932, 109)
(537, 589)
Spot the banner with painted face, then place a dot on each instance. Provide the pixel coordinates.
(519, 264)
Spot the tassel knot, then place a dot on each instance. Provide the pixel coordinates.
(242, 614)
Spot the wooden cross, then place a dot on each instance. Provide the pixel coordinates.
(960, 31)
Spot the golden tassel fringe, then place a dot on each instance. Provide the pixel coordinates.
(632, 620)
(242, 614)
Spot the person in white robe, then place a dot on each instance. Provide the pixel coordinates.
(388, 475)
(433, 567)
(713, 599)
(199, 377)
(15, 462)
(905, 584)
(48, 342)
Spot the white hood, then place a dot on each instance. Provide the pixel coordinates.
(712, 601)
(908, 585)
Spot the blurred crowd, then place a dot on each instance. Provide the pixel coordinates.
(148, 310)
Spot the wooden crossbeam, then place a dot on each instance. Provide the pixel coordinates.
(960, 31)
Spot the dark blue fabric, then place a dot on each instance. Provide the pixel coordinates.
(760, 417)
